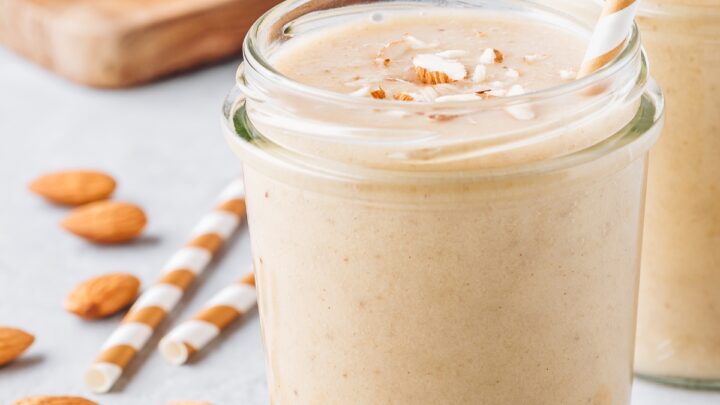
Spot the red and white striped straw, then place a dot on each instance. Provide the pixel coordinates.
(219, 312)
(610, 34)
(178, 274)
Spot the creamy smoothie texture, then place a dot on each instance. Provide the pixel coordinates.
(679, 312)
(417, 279)
(484, 56)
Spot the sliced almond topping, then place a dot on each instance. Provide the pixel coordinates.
(428, 77)
(485, 94)
(393, 50)
(567, 74)
(452, 53)
(516, 90)
(428, 93)
(415, 43)
(490, 56)
(397, 80)
(397, 48)
(432, 69)
(496, 93)
(512, 73)
(402, 96)
(362, 91)
(535, 57)
(378, 93)
(479, 74)
(521, 112)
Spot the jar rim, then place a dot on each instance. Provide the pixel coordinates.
(255, 60)
(630, 66)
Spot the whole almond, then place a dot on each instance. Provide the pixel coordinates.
(74, 187)
(13, 342)
(106, 221)
(48, 400)
(103, 296)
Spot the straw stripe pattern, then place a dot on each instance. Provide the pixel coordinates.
(221, 310)
(609, 36)
(155, 303)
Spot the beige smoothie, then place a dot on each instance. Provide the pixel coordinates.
(679, 313)
(428, 226)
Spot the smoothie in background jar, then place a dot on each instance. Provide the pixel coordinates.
(679, 314)
(438, 212)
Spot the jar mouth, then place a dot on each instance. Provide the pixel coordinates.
(273, 120)
(279, 15)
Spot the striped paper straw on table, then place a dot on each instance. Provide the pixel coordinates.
(178, 274)
(609, 36)
(221, 310)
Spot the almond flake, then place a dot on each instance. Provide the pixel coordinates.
(457, 97)
(428, 93)
(432, 69)
(415, 43)
(512, 73)
(393, 50)
(567, 74)
(516, 90)
(485, 94)
(363, 91)
(479, 74)
(535, 57)
(378, 93)
(521, 112)
(490, 56)
(402, 96)
(397, 80)
(452, 53)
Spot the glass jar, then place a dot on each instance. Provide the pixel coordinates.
(405, 253)
(678, 337)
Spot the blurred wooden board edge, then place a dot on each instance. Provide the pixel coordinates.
(122, 43)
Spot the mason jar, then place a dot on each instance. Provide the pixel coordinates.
(406, 253)
(678, 338)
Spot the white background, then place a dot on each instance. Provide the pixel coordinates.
(163, 144)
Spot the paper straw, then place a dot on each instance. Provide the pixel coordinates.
(178, 274)
(221, 310)
(609, 36)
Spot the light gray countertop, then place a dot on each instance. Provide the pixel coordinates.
(163, 144)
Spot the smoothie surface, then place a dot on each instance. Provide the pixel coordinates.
(434, 55)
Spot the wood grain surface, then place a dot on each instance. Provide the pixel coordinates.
(120, 43)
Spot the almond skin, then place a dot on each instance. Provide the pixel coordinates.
(48, 400)
(434, 77)
(74, 187)
(102, 296)
(106, 222)
(13, 342)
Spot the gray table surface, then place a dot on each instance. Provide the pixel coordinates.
(163, 144)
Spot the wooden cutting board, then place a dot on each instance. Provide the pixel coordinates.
(120, 43)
